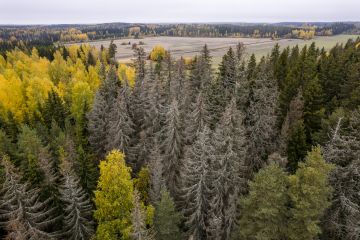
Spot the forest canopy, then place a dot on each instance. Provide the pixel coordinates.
(166, 149)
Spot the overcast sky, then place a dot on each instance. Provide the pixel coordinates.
(97, 11)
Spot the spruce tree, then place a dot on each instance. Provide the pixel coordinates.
(294, 114)
(261, 117)
(120, 127)
(240, 53)
(230, 144)
(112, 51)
(29, 147)
(310, 195)
(177, 85)
(99, 116)
(173, 147)
(167, 220)
(156, 173)
(23, 214)
(314, 111)
(197, 118)
(264, 211)
(140, 63)
(341, 219)
(11, 126)
(200, 73)
(197, 185)
(228, 74)
(139, 230)
(290, 85)
(296, 147)
(251, 68)
(78, 223)
(86, 169)
(137, 94)
(221, 91)
(6, 147)
(54, 109)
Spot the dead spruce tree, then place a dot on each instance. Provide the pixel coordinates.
(173, 147)
(153, 108)
(78, 223)
(230, 144)
(343, 217)
(197, 118)
(156, 173)
(23, 214)
(137, 100)
(200, 74)
(177, 85)
(99, 116)
(138, 215)
(197, 186)
(121, 126)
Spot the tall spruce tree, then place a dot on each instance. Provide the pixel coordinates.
(137, 95)
(197, 185)
(294, 114)
(156, 173)
(167, 220)
(173, 147)
(30, 148)
(342, 218)
(296, 146)
(221, 91)
(261, 117)
(22, 213)
(177, 85)
(314, 111)
(99, 116)
(112, 51)
(78, 223)
(121, 127)
(230, 144)
(54, 109)
(197, 118)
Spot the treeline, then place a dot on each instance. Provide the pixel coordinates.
(251, 30)
(262, 149)
(44, 48)
(81, 33)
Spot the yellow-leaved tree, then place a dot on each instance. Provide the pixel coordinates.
(127, 73)
(157, 53)
(114, 198)
(81, 94)
(11, 96)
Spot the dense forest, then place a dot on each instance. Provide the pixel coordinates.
(166, 149)
(82, 33)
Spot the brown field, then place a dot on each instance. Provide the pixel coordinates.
(189, 47)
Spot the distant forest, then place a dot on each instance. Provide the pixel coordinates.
(71, 33)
